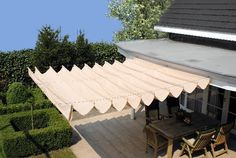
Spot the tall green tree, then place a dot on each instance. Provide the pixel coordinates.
(84, 52)
(53, 50)
(138, 17)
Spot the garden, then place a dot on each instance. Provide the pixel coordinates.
(30, 126)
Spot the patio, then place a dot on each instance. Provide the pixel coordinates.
(114, 134)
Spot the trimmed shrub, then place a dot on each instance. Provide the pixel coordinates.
(43, 104)
(13, 67)
(2, 98)
(37, 94)
(54, 133)
(24, 123)
(17, 93)
(3, 83)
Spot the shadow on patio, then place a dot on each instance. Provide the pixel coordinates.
(115, 135)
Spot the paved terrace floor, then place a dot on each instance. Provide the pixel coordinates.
(115, 135)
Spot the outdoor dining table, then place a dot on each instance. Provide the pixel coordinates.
(173, 129)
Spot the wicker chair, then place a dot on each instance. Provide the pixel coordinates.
(154, 140)
(221, 139)
(196, 144)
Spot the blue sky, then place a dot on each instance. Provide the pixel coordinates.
(21, 20)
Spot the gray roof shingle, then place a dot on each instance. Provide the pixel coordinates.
(207, 15)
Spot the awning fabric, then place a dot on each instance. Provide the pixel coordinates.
(117, 85)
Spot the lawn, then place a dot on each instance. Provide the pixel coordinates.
(61, 153)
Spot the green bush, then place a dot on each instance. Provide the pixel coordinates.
(17, 93)
(57, 134)
(37, 94)
(2, 98)
(51, 50)
(13, 67)
(43, 104)
(3, 83)
(24, 122)
(106, 52)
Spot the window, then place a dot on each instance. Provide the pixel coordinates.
(215, 102)
(194, 101)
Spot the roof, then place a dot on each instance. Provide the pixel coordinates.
(210, 59)
(116, 85)
(215, 16)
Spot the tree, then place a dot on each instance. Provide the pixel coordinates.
(52, 50)
(83, 51)
(138, 17)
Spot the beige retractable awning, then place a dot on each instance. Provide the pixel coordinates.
(117, 85)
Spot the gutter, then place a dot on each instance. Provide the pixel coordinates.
(199, 33)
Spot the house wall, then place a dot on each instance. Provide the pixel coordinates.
(215, 102)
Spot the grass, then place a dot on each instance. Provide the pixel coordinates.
(61, 153)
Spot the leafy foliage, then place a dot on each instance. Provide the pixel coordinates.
(106, 52)
(13, 108)
(57, 134)
(51, 50)
(17, 93)
(37, 95)
(2, 68)
(23, 122)
(138, 17)
(2, 98)
(83, 51)
(13, 67)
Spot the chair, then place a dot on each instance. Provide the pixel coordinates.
(221, 139)
(201, 142)
(154, 140)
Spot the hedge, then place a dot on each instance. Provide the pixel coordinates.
(43, 104)
(106, 52)
(3, 98)
(13, 67)
(37, 94)
(57, 133)
(17, 93)
(24, 122)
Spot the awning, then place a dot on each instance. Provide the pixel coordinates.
(117, 85)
